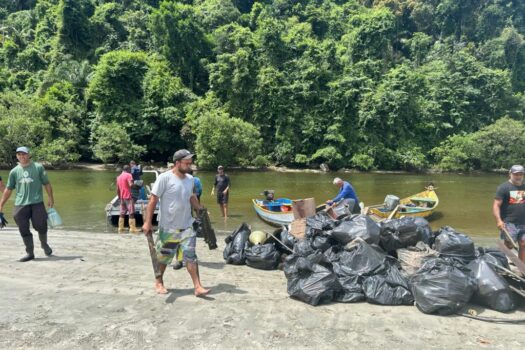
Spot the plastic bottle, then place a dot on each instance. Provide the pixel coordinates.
(53, 218)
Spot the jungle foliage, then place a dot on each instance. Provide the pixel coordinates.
(367, 84)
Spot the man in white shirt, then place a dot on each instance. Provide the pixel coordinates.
(176, 237)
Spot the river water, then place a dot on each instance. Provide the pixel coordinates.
(465, 200)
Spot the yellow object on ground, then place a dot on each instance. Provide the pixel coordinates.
(257, 237)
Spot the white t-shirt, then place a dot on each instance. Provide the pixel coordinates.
(174, 195)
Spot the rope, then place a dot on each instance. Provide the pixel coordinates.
(473, 315)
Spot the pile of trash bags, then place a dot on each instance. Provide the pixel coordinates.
(395, 262)
(267, 256)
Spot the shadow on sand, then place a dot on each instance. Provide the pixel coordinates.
(174, 293)
(58, 258)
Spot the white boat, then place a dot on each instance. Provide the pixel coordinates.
(277, 212)
(113, 207)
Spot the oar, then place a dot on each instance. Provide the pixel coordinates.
(278, 240)
(393, 213)
(509, 238)
(153, 254)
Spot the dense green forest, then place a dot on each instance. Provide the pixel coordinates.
(366, 84)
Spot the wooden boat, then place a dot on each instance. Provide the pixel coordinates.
(421, 204)
(277, 212)
(113, 207)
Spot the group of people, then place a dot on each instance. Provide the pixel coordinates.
(176, 192)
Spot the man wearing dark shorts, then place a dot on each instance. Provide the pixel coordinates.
(27, 178)
(222, 185)
(509, 208)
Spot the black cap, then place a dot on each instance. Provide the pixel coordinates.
(516, 169)
(182, 154)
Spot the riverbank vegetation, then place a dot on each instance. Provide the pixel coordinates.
(368, 84)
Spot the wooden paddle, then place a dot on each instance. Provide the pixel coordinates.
(512, 256)
(278, 240)
(509, 237)
(153, 254)
(393, 213)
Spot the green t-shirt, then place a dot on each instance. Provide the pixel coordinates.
(28, 182)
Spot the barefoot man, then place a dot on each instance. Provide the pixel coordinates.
(176, 237)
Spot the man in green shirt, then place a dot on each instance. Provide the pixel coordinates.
(27, 178)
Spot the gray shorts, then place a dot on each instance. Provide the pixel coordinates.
(517, 232)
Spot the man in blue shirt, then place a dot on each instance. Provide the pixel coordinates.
(346, 193)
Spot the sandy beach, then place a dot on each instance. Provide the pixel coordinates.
(96, 292)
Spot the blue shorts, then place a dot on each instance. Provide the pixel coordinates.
(517, 232)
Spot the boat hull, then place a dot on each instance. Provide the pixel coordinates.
(272, 217)
(420, 204)
(113, 212)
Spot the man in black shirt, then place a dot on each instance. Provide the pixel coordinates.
(509, 208)
(222, 184)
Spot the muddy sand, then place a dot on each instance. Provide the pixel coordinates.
(97, 293)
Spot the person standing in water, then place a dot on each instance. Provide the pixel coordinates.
(222, 185)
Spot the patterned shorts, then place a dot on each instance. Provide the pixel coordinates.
(517, 232)
(179, 245)
(127, 205)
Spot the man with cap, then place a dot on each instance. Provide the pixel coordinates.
(509, 208)
(28, 178)
(176, 237)
(222, 184)
(347, 194)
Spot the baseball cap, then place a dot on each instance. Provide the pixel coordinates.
(22, 149)
(220, 167)
(337, 180)
(516, 169)
(182, 154)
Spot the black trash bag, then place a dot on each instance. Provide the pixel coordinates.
(399, 233)
(319, 222)
(303, 248)
(454, 244)
(309, 282)
(351, 289)
(492, 290)
(358, 226)
(262, 256)
(499, 257)
(362, 260)
(442, 286)
(388, 287)
(234, 251)
(332, 254)
(321, 242)
(423, 228)
(287, 238)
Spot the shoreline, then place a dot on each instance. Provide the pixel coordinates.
(97, 292)
(282, 169)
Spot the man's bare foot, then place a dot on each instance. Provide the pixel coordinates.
(201, 291)
(160, 289)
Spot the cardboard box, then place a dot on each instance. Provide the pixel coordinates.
(298, 228)
(303, 208)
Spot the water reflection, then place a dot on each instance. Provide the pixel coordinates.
(465, 200)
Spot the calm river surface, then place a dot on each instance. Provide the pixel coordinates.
(465, 200)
